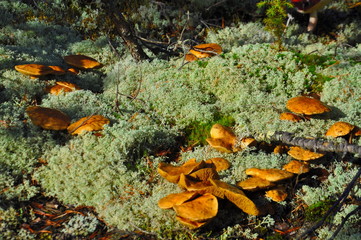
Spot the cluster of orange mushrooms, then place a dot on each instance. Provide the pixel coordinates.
(197, 204)
(53, 119)
(205, 50)
(76, 61)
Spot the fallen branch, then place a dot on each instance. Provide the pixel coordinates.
(319, 145)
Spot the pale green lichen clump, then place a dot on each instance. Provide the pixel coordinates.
(150, 104)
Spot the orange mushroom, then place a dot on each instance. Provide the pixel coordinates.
(85, 124)
(62, 87)
(82, 62)
(306, 106)
(34, 70)
(48, 118)
(303, 154)
(203, 51)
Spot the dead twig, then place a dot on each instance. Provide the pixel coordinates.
(335, 207)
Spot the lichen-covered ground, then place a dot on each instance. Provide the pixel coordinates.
(55, 185)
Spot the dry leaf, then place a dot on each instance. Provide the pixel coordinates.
(91, 123)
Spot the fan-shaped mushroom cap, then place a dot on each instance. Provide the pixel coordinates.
(339, 129)
(306, 105)
(296, 167)
(219, 131)
(204, 174)
(272, 175)
(33, 69)
(176, 199)
(205, 50)
(248, 142)
(189, 223)
(189, 57)
(62, 87)
(303, 154)
(200, 209)
(219, 164)
(91, 123)
(255, 184)
(220, 145)
(82, 62)
(236, 196)
(290, 117)
(57, 70)
(48, 118)
(277, 195)
(279, 149)
(73, 71)
(191, 184)
(222, 138)
(172, 173)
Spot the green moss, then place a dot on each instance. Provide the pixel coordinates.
(197, 132)
(316, 211)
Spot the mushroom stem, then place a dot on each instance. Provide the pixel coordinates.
(312, 21)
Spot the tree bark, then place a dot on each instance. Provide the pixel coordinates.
(126, 32)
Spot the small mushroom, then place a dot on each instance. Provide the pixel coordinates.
(310, 7)
(272, 175)
(203, 51)
(222, 138)
(48, 118)
(290, 117)
(306, 106)
(296, 167)
(255, 184)
(62, 87)
(303, 154)
(82, 62)
(86, 124)
(34, 70)
(278, 194)
(340, 129)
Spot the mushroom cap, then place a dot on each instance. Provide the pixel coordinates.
(189, 57)
(206, 50)
(248, 142)
(296, 167)
(204, 174)
(200, 209)
(189, 223)
(172, 173)
(73, 71)
(176, 199)
(220, 145)
(303, 154)
(339, 129)
(309, 6)
(219, 131)
(306, 105)
(57, 70)
(277, 195)
(82, 61)
(48, 118)
(272, 175)
(62, 87)
(237, 197)
(255, 184)
(219, 164)
(90, 123)
(290, 117)
(33, 69)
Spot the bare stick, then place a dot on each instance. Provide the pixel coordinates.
(336, 206)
